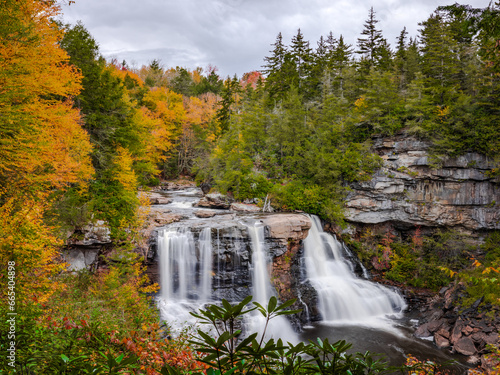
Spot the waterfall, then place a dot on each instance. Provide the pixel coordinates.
(185, 273)
(279, 327)
(342, 296)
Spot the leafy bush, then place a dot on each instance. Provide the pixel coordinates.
(227, 354)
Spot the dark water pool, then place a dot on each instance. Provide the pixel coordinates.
(392, 345)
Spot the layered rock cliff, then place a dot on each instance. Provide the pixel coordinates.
(408, 191)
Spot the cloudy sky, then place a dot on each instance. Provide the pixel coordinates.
(234, 35)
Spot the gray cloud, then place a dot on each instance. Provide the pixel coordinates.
(234, 35)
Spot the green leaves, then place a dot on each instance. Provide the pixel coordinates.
(228, 353)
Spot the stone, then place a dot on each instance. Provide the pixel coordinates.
(204, 214)
(465, 346)
(441, 342)
(409, 192)
(157, 198)
(96, 233)
(288, 227)
(456, 332)
(492, 338)
(163, 218)
(467, 330)
(215, 200)
(242, 207)
(435, 325)
(474, 360)
(445, 332)
(80, 258)
(422, 331)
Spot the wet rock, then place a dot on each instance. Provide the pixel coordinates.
(434, 325)
(465, 346)
(444, 332)
(474, 360)
(242, 207)
(204, 214)
(215, 200)
(456, 333)
(422, 331)
(157, 198)
(441, 342)
(288, 227)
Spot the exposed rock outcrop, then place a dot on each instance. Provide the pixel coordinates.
(465, 332)
(408, 191)
(85, 244)
(288, 227)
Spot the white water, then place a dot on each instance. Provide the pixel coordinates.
(278, 327)
(343, 297)
(185, 274)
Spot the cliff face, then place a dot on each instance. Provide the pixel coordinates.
(409, 192)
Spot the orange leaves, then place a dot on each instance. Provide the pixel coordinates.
(43, 147)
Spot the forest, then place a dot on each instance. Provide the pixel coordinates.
(81, 137)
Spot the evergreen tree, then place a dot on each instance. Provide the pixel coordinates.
(301, 54)
(373, 48)
(439, 59)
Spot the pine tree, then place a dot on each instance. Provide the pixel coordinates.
(439, 58)
(373, 45)
(277, 83)
(301, 54)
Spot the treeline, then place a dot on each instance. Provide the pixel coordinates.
(305, 130)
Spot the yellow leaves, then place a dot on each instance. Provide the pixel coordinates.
(442, 112)
(360, 103)
(487, 270)
(123, 171)
(476, 263)
(447, 271)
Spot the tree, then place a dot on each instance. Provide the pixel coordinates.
(372, 47)
(43, 149)
(276, 81)
(301, 55)
(439, 58)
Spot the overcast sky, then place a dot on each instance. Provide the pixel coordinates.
(234, 35)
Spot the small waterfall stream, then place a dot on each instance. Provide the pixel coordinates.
(342, 296)
(279, 327)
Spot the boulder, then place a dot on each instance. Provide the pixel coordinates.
(242, 207)
(215, 200)
(465, 346)
(204, 214)
(165, 218)
(157, 198)
(441, 342)
(288, 227)
(456, 332)
(422, 331)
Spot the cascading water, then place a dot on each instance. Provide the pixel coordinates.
(342, 296)
(185, 273)
(279, 327)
